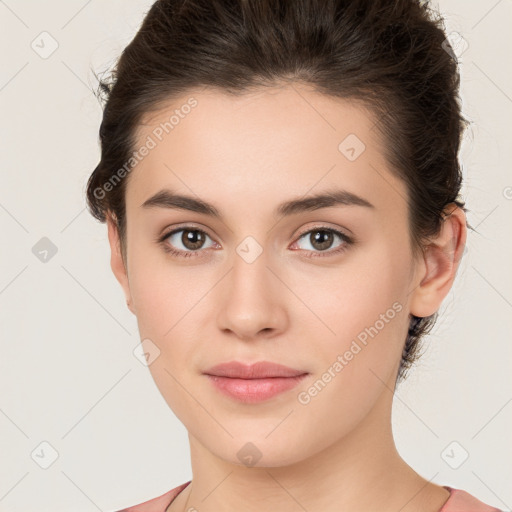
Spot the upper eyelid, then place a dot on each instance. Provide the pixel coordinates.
(177, 229)
(323, 228)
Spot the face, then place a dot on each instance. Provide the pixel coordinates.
(326, 290)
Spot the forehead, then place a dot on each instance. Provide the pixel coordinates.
(260, 147)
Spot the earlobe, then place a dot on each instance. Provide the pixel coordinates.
(440, 263)
(116, 260)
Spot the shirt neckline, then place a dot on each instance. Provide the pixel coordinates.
(451, 490)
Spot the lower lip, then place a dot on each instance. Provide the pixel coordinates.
(254, 390)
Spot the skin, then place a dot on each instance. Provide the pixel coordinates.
(246, 155)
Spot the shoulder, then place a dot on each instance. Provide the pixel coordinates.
(462, 501)
(158, 504)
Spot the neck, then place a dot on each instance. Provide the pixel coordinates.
(361, 471)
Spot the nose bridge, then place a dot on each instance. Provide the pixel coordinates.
(250, 273)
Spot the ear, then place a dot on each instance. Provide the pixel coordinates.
(439, 263)
(116, 260)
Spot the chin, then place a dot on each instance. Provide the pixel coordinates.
(255, 451)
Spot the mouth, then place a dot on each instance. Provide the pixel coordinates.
(255, 382)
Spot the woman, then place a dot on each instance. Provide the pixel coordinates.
(281, 187)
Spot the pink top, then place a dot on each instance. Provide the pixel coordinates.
(458, 501)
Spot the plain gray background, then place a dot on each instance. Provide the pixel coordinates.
(68, 375)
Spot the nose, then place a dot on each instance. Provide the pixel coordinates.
(252, 300)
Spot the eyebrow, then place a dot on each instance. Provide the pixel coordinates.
(168, 199)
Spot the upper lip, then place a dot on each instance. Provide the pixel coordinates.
(259, 370)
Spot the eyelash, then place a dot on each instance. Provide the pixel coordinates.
(312, 254)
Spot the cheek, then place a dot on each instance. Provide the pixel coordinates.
(355, 365)
(165, 310)
(169, 304)
(364, 324)
(368, 289)
(162, 293)
(155, 304)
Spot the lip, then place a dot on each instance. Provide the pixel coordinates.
(254, 382)
(259, 370)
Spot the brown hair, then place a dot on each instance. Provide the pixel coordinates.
(389, 55)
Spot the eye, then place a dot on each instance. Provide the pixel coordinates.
(191, 241)
(321, 238)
